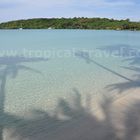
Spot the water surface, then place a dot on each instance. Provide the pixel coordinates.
(40, 67)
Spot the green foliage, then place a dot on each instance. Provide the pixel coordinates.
(72, 23)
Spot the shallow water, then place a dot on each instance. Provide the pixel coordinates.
(43, 66)
(64, 71)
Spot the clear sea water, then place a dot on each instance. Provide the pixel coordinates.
(44, 66)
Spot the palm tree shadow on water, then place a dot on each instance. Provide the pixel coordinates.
(68, 122)
(129, 54)
(86, 57)
(124, 86)
(10, 66)
(77, 122)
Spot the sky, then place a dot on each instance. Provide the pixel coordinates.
(25, 9)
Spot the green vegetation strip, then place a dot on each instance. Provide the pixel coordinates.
(72, 23)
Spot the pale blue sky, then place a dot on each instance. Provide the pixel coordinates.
(24, 9)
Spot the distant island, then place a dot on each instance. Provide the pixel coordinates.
(72, 23)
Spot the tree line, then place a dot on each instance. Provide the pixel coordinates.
(72, 23)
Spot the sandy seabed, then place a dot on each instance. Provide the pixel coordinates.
(113, 120)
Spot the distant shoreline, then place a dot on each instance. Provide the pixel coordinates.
(72, 23)
(75, 29)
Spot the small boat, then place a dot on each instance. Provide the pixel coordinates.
(50, 28)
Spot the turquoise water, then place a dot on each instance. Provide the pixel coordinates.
(43, 66)
(58, 76)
